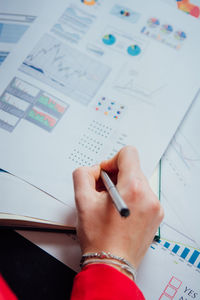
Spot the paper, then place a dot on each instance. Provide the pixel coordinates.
(163, 275)
(15, 20)
(180, 172)
(22, 199)
(73, 96)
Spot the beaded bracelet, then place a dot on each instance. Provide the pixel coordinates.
(129, 269)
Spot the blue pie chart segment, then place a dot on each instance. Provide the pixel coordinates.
(134, 50)
(109, 39)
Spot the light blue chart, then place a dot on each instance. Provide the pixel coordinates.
(73, 24)
(3, 55)
(11, 33)
(188, 254)
(67, 70)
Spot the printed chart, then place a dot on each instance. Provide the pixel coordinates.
(66, 69)
(12, 32)
(188, 7)
(164, 33)
(139, 86)
(121, 42)
(185, 254)
(110, 107)
(73, 24)
(91, 143)
(125, 13)
(89, 2)
(22, 100)
(3, 55)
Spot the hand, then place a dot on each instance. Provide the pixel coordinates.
(100, 226)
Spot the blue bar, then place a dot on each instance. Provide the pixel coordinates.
(198, 265)
(185, 253)
(194, 256)
(176, 248)
(166, 245)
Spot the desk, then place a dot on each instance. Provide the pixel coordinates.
(30, 272)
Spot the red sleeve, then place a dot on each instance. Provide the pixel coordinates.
(103, 282)
(5, 292)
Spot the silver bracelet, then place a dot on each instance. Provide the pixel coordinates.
(129, 269)
(103, 255)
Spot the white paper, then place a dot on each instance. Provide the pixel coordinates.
(163, 275)
(15, 19)
(22, 199)
(180, 172)
(63, 81)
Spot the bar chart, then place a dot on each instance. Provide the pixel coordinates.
(184, 253)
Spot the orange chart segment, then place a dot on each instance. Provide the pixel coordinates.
(189, 8)
(89, 2)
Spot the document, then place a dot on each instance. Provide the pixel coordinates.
(172, 278)
(76, 89)
(180, 172)
(15, 19)
(18, 198)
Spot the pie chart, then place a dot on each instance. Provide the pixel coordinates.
(134, 50)
(89, 2)
(153, 22)
(109, 39)
(167, 29)
(180, 35)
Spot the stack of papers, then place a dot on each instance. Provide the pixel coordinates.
(75, 89)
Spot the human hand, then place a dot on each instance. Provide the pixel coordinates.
(100, 226)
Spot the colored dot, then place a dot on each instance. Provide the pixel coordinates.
(109, 108)
(106, 113)
(118, 112)
(112, 103)
(99, 103)
(97, 108)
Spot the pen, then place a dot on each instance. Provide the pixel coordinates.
(114, 194)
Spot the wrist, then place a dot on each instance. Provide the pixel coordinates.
(117, 262)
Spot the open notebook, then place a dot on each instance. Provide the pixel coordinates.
(23, 205)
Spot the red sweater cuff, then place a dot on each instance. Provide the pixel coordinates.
(5, 291)
(103, 282)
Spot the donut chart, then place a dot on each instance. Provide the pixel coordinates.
(89, 2)
(134, 50)
(109, 39)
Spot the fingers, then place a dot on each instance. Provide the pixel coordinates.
(126, 162)
(84, 179)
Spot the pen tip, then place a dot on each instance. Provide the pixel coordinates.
(125, 212)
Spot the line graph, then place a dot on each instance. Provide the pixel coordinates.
(22, 100)
(134, 84)
(73, 24)
(41, 118)
(185, 151)
(66, 69)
